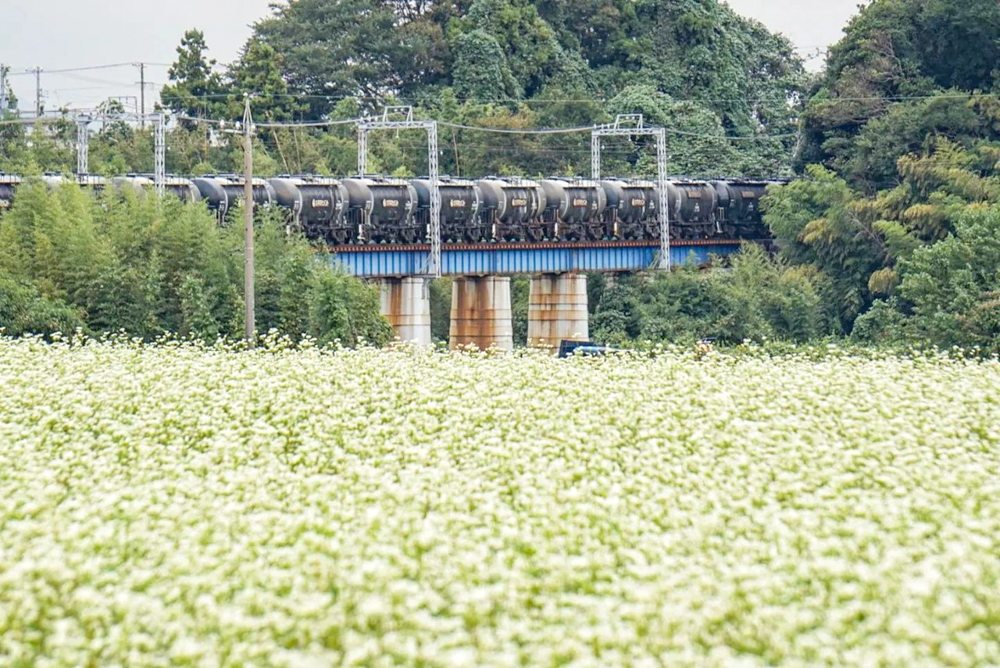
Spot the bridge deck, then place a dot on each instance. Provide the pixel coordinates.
(522, 258)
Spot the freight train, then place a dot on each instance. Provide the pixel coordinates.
(383, 210)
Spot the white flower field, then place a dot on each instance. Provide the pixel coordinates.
(187, 506)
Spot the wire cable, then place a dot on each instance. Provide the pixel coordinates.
(729, 138)
(304, 124)
(309, 124)
(91, 68)
(528, 131)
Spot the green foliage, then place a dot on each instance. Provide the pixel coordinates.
(901, 119)
(259, 72)
(132, 262)
(756, 299)
(617, 319)
(440, 297)
(195, 88)
(346, 310)
(952, 288)
(473, 62)
(819, 223)
(354, 48)
(883, 324)
(700, 49)
(948, 294)
(496, 63)
(49, 147)
(520, 294)
(24, 311)
(908, 127)
(895, 50)
(481, 73)
(707, 154)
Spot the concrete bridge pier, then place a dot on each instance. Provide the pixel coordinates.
(406, 304)
(557, 310)
(481, 313)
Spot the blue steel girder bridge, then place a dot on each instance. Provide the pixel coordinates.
(481, 313)
(506, 259)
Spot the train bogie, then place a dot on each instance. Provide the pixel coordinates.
(513, 209)
(574, 209)
(382, 210)
(316, 206)
(696, 211)
(461, 202)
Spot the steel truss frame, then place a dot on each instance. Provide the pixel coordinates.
(401, 118)
(83, 122)
(633, 125)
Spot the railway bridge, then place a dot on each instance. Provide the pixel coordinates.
(481, 294)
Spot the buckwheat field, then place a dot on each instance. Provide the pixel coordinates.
(181, 505)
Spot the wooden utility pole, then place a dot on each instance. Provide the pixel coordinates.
(38, 91)
(3, 90)
(248, 284)
(142, 94)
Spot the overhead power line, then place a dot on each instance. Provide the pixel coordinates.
(97, 80)
(497, 100)
(304, 124)
(588, 128)
(308, 124)
(537, 131)
(727, 137)
(519, 131)
(475, 128)
(353, 121)
(91, 68)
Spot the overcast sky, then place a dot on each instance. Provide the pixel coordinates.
(60, 34)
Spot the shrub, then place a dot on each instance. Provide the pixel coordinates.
(128, 261)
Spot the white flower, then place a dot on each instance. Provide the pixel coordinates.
(202, 506)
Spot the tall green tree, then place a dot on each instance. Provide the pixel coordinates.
(949, 293)
(481, 72)
(356, 48)
(195, 88)
(260, 72)
(894, 51)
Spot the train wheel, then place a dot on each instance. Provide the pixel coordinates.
(408, 235)
(534, 233)
(340, 236)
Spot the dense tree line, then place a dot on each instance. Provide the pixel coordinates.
(901, 185)
(889, 232)
(694, 65)
(151, 267)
